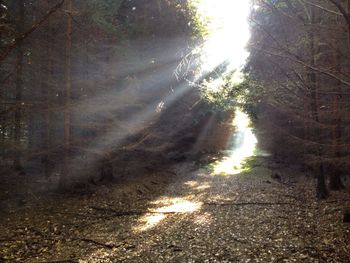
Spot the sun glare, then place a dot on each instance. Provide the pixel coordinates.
(243, 146)
(228, 32)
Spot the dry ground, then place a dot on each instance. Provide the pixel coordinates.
(184, 214)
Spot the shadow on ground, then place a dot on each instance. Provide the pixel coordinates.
(185, 214)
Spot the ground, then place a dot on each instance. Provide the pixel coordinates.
(184, 214)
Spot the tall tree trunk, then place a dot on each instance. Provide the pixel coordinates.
(18, 93)
(306, 126)
(67, 94)
(347, 20)
(46, 95)
(335, 182)
(321, 189)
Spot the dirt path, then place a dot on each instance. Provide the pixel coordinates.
(184, 215)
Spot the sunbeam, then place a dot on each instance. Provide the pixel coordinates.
(168, 130)
(134, 124)
(228, 33)
(243, 146)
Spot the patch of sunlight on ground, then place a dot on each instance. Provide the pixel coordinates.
(149, 221)
(203, 187)
(197, 185)
(242, 146)
(203, 220)
(170, 206)
(191, 183)
(180, 207)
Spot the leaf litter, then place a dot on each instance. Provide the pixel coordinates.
(188, 215)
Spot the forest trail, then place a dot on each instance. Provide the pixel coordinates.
(126, 107)
(185, 215)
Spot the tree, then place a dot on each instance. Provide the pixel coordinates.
(292, 47)
(67, 92)
(19, 89)
(90, 87)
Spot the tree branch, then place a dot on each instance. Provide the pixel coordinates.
(294, 58)
(341, 10)
(34, 27)
(322, 8)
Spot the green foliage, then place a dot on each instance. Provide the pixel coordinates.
(147, 19)
(252, 94)
(104, 14)
(229, 92)
(197, 22)
(221, 93)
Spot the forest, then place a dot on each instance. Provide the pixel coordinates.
(174, 131)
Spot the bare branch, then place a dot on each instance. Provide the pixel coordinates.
(341, 10)
(295, 58)
(34, 27)
(322, 8)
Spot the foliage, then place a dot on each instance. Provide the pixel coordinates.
(252, 94)
(134, 19)
(221, 93)
(117, 64)
(298, 54)
(230, 91)
(104, 14)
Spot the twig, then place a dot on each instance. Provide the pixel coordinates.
(337, 201)
(97, 243)
(117, 213)
(61, 261)
(324, 8)
(247, 203)
(131, 213)
(79, 215)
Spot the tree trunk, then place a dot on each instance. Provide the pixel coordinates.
(46, 95)
(18, 93)
(335, 182)
(67, 95)
(347, 20)
(306, 126)
(321, 189)
(106, 169)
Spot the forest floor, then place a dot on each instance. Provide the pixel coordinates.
(184, 214)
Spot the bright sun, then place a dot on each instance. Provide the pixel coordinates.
(228, 32)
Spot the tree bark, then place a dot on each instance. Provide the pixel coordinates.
(67, 95)
(335, 182)
(18, 93)
(46, 95)
(345, 12)
(321, 189)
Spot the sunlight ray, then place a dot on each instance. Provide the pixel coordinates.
(228, 33)
(243, 146)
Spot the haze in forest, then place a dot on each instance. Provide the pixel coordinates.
(174, 131)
